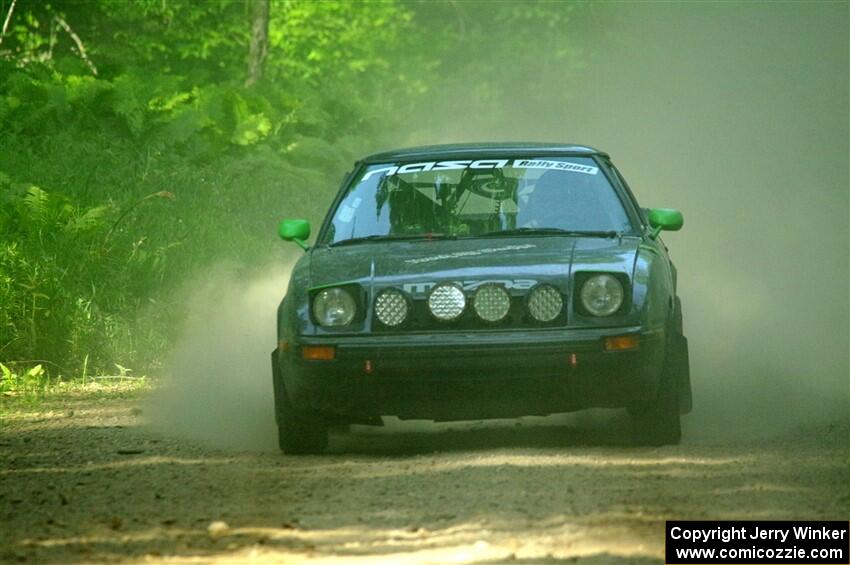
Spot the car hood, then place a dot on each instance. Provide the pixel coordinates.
(417, 264)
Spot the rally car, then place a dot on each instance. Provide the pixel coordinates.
(475, 281)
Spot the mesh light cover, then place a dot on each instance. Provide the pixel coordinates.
(391, 308)
(491, 302)
(446, 302)
(545, 303)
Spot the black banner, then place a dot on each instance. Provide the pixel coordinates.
(762, 542)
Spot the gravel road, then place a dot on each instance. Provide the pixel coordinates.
(90, 481)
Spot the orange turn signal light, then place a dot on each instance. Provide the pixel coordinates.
(318, 353)
(621, 342)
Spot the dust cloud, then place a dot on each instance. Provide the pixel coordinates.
(218, 387)
(737, 114)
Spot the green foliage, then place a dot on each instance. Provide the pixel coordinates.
(23, 386)
(33, 381)
(118, 185)
(64, 274)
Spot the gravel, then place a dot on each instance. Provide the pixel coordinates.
(87, 481)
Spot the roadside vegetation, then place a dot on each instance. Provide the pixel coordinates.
(35, 390)
(143, 141)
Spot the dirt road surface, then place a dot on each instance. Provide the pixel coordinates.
(89, 481)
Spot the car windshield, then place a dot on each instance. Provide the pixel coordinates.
(469, 198)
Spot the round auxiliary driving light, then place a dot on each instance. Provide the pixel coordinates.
(602, 295)
(446, 302)
(545, 303)
(391, 308)
(334, 307)
(491, 302)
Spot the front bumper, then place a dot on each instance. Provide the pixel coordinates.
(475, 375)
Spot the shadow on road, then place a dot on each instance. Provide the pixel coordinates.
(411, 438)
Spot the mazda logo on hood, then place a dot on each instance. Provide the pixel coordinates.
(420, 288)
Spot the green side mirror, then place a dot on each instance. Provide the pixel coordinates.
(295, 230)
(665, 219)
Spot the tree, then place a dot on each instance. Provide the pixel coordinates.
(259, 40)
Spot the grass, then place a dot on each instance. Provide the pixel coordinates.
(31, 389)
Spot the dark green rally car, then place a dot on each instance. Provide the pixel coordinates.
(478, 281)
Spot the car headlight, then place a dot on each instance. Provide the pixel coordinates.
(446, 302)
(602, 295)
(491, 302)
(391, 307)
(545, 303)
(334, 307)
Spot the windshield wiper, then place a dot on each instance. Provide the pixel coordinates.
(547, 231)
(390, 237)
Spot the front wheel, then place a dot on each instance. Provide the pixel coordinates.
(659, 423)
(300, 429)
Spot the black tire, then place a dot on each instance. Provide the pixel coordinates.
(659, 423)
(683, 375)
(682, 361)
(301, 431)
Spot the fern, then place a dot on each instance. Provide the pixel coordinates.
(36, 204)
(89, 220)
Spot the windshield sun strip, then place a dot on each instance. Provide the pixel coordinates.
(355, 176)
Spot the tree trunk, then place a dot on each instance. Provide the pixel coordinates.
(259, 40)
